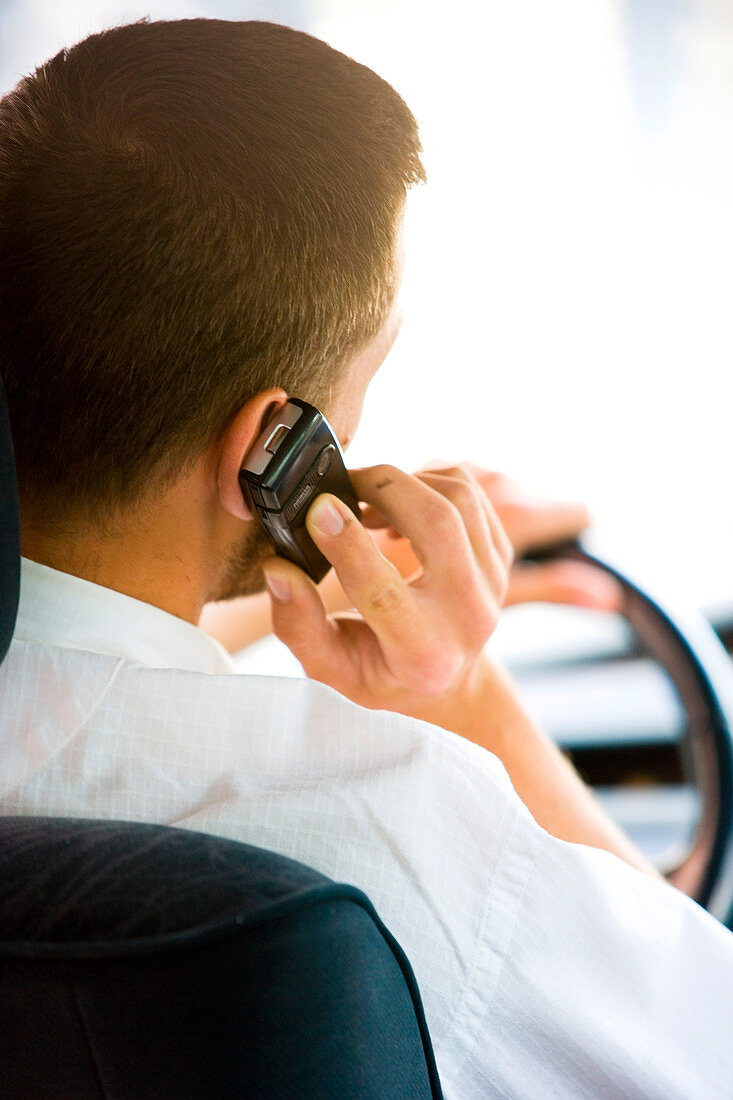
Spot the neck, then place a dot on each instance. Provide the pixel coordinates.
(126, 569)
(153, 554)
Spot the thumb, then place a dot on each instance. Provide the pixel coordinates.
(299, 619)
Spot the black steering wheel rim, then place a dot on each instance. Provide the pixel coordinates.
(690, 652)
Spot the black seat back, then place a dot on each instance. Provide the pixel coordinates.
(141, 961)
(9, 532)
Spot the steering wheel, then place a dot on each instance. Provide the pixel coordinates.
(689, 651)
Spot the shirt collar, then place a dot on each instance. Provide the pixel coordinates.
(59, 609)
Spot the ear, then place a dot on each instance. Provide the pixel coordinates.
(236, 440)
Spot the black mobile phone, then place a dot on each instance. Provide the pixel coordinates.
(296, 457)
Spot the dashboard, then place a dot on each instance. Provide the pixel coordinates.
(616, 714)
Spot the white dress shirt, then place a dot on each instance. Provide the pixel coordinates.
(546, 969)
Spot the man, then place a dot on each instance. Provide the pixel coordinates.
(197, 220)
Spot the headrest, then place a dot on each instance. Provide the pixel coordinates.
(9, 532)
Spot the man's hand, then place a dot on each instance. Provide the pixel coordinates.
(416, 645)
(531, 523)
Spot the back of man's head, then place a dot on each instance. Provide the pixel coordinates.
(190, 212)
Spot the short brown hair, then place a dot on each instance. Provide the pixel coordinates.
(190, 212)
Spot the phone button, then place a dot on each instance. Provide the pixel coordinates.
(325, 459)
(277, 435)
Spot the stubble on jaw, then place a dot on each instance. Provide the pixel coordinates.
(242, 571)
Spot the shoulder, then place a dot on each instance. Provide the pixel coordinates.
(425, 823)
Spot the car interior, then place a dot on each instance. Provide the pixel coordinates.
(143, 961)
(140, 960)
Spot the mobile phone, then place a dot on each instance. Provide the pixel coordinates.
(293, 460)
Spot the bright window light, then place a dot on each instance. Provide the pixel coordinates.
(567, 297)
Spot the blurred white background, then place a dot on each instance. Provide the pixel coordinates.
(570, 277)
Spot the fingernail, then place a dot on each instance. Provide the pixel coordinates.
(279, 587)
(327, 517)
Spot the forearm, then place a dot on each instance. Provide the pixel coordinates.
(492, 715)
(237, 623)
